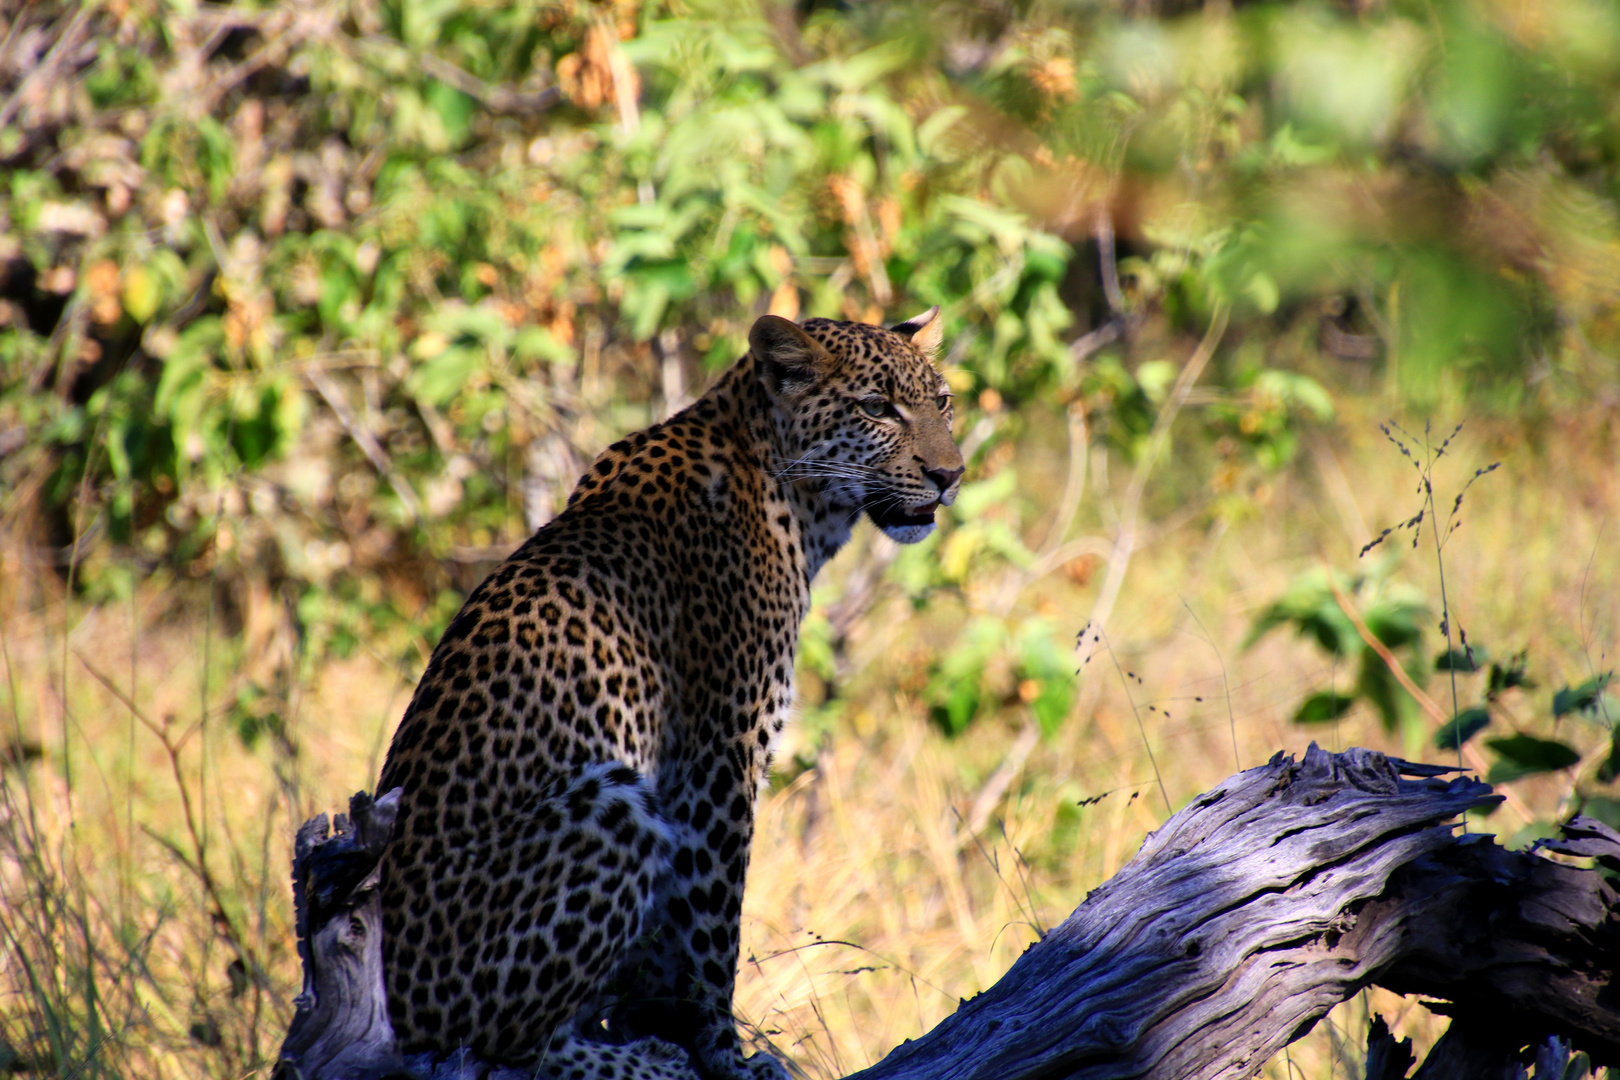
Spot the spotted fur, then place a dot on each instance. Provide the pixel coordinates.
(581, 759)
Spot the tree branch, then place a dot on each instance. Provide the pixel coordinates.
(1253, 911)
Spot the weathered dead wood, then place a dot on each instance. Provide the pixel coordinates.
(1516, 943)
(341, 1028)
(1239, 924)
(1387, 1059)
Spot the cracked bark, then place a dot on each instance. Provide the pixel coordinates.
(1244, 919)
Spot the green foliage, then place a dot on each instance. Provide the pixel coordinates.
(1592, 701)
(956, 688)
(1319, 606)
(1393, 614)
(1502, 677)
(1525, 755)
(320, 310)
(1046, 678)
(252, 714)
(1460, 728)
(1267, 418)
(1588, 697)
(1466, 659)
(1323, 707)
(1509, 676)
(329, 315)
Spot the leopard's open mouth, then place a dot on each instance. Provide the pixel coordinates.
(887, 514)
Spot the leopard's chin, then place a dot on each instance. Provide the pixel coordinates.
(901, 525)
(907, 534)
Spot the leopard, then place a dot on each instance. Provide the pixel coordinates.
(581, 762)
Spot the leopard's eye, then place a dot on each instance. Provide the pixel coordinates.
(876, 407)
(944, 402)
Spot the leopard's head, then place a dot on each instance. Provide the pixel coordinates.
(860, 411)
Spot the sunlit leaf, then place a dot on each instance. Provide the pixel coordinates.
(1323, 707)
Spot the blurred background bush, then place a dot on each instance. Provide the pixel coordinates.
(311, 311)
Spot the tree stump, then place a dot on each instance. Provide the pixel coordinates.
(340, 1028)
(1241, 921)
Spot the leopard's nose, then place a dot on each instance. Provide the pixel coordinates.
(943, 478)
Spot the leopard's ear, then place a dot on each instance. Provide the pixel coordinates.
(790, 361)
(926, 331)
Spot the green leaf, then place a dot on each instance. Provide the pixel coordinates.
(1309, 605)
(1526, 755)
(1462, 727)
(1507, 676)
(1395, 622)
(455, 110)
(1046, 661)
(1322, 707)
(1155, 378)
(955, 690)
(443, 377)
(1262, 289)
(1311, 395)
(953, 712)
(1604, 809)
(1582, 698)
(1468, 658)
(1380, 688)
(1610, 768)
(538, 343)
(142, 293)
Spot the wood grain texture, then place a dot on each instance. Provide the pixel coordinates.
(1244, 919)
(340, 1027)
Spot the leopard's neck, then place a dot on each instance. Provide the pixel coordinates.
(819, 526)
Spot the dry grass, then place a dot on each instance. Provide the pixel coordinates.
(873, 905)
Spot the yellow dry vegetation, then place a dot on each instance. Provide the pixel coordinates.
(902, 870)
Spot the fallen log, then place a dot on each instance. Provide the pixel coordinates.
(1240, 922)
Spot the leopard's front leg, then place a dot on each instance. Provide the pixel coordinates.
(679, 985)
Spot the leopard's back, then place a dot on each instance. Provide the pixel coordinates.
(581, 758)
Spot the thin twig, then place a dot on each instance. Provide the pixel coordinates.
(995, 788)
(46, 71)
(1226, 686)
(1476, 761)
(1120, 323)
(199, 868)
(1125, 680)
(1074, 485)
(1125, 538)
(1106, 260)
(363, 439)
(1084, 346)
(496, 97)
